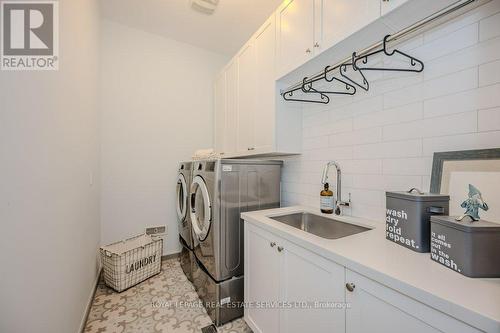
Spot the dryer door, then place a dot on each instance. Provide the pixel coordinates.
(182, 197)
(201, 208)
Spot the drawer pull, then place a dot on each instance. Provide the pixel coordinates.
(272, 244)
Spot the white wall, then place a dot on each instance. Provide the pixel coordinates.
(385, 139)
(49, 212)
(156, 110)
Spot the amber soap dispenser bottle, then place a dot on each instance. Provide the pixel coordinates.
(326, 200)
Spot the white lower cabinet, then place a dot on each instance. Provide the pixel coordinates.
(312, 285)
(262, 276)
(289, 289)
(310, 289)
(376, 308)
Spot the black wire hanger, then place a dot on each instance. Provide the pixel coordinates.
(306, 88)
(349, 88)
(364, 59)
(365, 85)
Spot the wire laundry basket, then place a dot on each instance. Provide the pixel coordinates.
(129, 262)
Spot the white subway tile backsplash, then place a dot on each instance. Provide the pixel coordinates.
(374, 213)
(481, 53)
(489, 27)
(462, 142)
(489, 73)
(340, 126)
(489, 120)
(384, 139)
(370, 135)
(448, 44)
(324, 154)
(390, 116)
(368, 182)
(386, 182)
(314, 143)
(449, 84)
(366, 197)
(433, 127)
(402, 183)
(482, 98)
(316, 119)
(408, 148)
(317, 130)
(363, 167)
(426, 184)
(450, 104)
(403, 96)
(418, 166)
(366, 105)
(471, 17)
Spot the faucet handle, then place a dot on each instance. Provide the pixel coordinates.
(340, 203)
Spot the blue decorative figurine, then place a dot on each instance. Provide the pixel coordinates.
(472, 204)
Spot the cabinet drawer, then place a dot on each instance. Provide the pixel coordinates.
(377, 308)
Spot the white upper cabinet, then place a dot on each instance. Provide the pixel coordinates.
(388, 5)
(341, 18)
(247, 101)
(220, 111)
(231, 128)
(265, 70)
(252, 105)
(308, 27)
(295, 35)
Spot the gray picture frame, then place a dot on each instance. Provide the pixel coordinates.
(462, 155)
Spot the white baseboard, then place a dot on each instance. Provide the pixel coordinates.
(89, 302)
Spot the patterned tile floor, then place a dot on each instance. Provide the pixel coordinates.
(154, 306)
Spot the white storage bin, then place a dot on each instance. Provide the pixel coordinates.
(128, 262)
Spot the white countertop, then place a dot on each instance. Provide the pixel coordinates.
(474, 301)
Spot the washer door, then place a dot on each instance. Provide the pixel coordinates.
(201, 208)
(182, 197)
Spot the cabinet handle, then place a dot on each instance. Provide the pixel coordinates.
(272, 244)
(308, 51)
(251, 148)
(350, 286)
(316, 44)
(280, 248)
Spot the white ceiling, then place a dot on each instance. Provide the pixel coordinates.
(224, 32)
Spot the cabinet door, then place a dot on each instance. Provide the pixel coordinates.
(220, 112)
(295, 34)
(376, 308)
(388, 5)
(231, 132)
(247, 98)
(309, 278)
(341, 18)
(262, 265)
(265, 112)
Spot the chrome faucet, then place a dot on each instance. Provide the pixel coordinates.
(338, 200)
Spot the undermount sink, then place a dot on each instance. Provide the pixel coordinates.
(319, 225)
